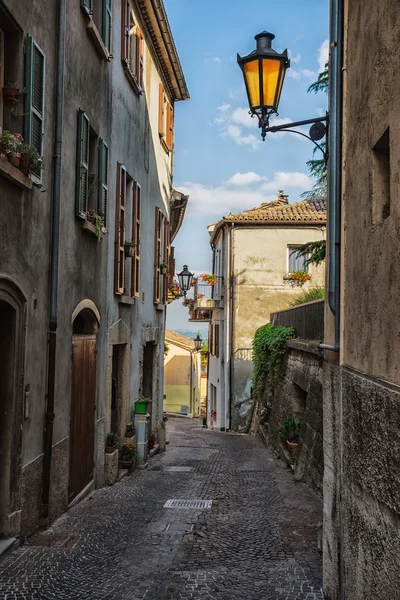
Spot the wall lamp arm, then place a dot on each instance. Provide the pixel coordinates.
(317, 130)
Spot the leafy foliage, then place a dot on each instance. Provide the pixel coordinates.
(314, 252)
(315, 293)
(290, 430)
(269, 345)
(322, 82)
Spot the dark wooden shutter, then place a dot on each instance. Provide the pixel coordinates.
(171, 271)
(216, 341)
(161, 109)
(211, 339)
(87, 5)
(125, 30)
(107, 23)
(102, 180)
(141, 58)
(170, 126)
(35, 71)
(119, 269)
(166, 258)
(82, 165)
(157, 255)
(135, 278)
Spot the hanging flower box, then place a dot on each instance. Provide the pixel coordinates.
(209, 279)
(297, 277)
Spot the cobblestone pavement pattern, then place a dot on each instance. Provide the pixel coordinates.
(257, 542)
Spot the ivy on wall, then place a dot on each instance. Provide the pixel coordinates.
(269, 345)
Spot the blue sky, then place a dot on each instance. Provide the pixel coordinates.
(220, 160)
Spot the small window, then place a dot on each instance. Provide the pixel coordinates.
(296, 262)
(165, 120)
(11, 75)
(99, 12)
(132, 50)
(381, 179)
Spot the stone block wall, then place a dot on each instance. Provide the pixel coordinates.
(300, 394)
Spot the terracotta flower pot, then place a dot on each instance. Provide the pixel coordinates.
(15, 160)
(129, 434)
(126, 464)
(111, 449)
(292, 447)
(23, 165)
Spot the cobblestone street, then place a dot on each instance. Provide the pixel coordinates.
(257, 542)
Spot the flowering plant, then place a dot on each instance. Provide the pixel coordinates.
(210, 279)
(127, 451)
(11, 143)
(174, 289)
(188, 302)
(130, 426)
(298, 277)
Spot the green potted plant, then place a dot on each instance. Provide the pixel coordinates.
(163, 268)
(127, 455)
(129, 249)
(289, 433)
(31, 161)
(11, 91)
(10, 145)
(141, 404)
(130, 430)
(111, 443)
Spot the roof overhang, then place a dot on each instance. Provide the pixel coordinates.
(178, 206)
(262, 223)
(155, 19)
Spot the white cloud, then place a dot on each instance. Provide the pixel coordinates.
(284, 180)
(240, 179)
(294, 59)
(224, 107)
(323, 55)
(234, 132)
(300, 73)
(216, 59)
(242, 117)
(320, 112)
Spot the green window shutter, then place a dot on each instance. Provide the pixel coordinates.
(87, 5)
(35, 71)
(103, 180)
(107, 23)
(82, 165)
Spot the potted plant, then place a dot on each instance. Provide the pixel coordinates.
(129, 249)
(211, 279)
(298, 277)
(174, 290)
(31, 161)
(111, 443)
(289, 433)
(127, 455)
(141, 404)
(97, 219)
(11, 92)
(152, 440)
(10, 145)
(163, 268)
(130, 430)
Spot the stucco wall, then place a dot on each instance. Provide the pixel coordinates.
(180, 377)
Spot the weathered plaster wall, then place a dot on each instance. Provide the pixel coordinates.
(177, 378)
(300, 394)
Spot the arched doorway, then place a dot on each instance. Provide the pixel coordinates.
(12, 327)
(83, 402)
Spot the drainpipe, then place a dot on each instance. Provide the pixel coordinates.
(55, 238)
(232, 329)
(335, 164)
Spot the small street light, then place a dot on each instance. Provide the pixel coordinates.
(185, 279)
(264, 72)
(198, 342)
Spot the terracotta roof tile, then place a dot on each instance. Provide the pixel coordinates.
(277, 210)
(172, 336)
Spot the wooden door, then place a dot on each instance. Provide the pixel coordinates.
(83, 404)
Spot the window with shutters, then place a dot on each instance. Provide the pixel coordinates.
(35, 71)
(158, 255)
(165, 120)
(91, 191)
(99, 24)
(132, 47)
(127, 235)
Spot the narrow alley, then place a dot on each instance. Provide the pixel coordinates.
(258, 541)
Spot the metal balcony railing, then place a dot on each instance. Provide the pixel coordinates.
(208, 296)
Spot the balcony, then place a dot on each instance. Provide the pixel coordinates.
(208, 297)
(197, 316)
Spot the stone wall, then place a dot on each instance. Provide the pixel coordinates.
(300, 394)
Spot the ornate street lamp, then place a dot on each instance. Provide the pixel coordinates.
(198, 342)
(264, 72)
(185, 279)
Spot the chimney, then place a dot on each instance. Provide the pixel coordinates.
(283, 198)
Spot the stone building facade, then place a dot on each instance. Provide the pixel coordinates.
(85, 243)
(182, 375)
(362, 380)
(252, 254)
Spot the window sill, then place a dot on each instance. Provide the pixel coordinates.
(97, 40)
(14, 175)
(90, 228)
(123, 299)
(164, 144)
(132, 79)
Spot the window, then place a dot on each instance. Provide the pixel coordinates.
(162, 257)
(165, 120)
(91, 195)
(157, 256)
(214, 340)
(296, 262)
(132, 50)
(10, 71)
(35, 64)
(99, 13)
(166, 259)
(127, 229)
(381, 179)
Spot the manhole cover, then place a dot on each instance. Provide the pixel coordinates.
(175, 503)
(178, 469)
(178, 528)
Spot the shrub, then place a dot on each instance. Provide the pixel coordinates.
(290, 430)
(111, 439)
(315, 293)
(269, 347)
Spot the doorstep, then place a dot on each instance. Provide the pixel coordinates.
(6, 545)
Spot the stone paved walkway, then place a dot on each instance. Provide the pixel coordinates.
(257, 542)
